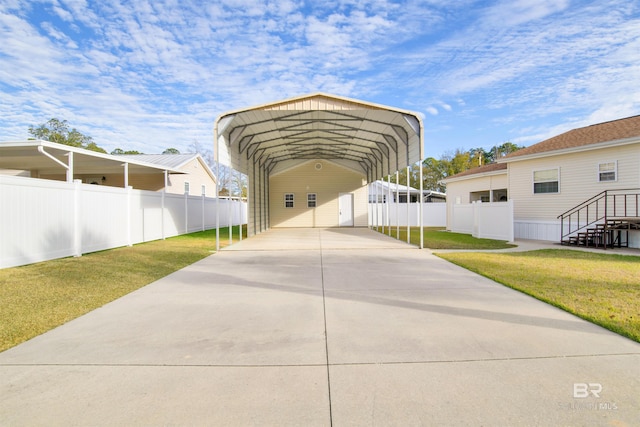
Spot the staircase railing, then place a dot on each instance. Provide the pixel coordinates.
(600, 208)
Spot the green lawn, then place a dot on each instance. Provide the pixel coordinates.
(439, 238)
(38, 297)
(601, 288)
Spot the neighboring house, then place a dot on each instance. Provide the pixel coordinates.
(197, 177)
(381, 189)
(557, 175)
(59, 162)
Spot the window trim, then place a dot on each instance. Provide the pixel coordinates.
(557, 180)
(310, 201)
(292, 201)
(615, 171)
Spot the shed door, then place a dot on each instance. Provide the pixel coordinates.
(345, 207)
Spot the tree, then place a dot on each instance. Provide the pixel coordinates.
(230, 182)
(171, 151)
(121, 151)
(506, 148)
(58, 131)
(433, 170)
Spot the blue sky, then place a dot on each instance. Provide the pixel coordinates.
(152, 74)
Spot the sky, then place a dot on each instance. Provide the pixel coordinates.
(148, 75)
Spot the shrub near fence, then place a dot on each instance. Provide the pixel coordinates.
(43, 219)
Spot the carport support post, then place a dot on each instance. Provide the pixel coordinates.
(239, 180)
(217, 153)
(388, 198)
(230, 213)
(421, 209)
(408, 213)
(375, 191)
(397, 205)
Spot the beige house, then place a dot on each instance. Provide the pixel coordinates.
(583, 174)
(196, 178)
(309, 159)
(178, 173)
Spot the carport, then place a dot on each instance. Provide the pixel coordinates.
(354, 139)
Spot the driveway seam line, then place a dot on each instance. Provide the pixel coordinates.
(316, 365)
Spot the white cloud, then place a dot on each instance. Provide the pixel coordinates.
(156, 73)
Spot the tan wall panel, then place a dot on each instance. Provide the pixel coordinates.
(326, 183)
(149, 182)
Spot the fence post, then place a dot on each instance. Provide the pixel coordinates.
(77, 237)
(129, 190)
(186, 212)
(512, 235)
(476, 215)
(202, 203)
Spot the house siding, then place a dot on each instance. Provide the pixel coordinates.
(578, 180)
(196, 175)
(327, 183)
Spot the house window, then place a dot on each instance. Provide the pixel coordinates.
(546, 181)
(288, 200)
(186, 188)
(204, 190)
(311, 200)
(608, 171)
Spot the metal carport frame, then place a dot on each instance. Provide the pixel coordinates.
(371, 139)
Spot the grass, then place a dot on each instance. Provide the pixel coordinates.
(38, 297)
(439, 238)
(601, 288)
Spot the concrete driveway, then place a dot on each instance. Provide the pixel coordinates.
(311, 327)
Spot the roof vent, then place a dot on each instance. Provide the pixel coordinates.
(318, 166)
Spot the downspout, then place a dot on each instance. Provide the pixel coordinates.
(68, 168)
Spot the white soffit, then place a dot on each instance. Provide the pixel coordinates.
(372, 139)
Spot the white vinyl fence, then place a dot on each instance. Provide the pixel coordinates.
(42, 220)
(484, 220)
(403, 214)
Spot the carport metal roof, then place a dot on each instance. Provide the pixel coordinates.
(372, 139)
